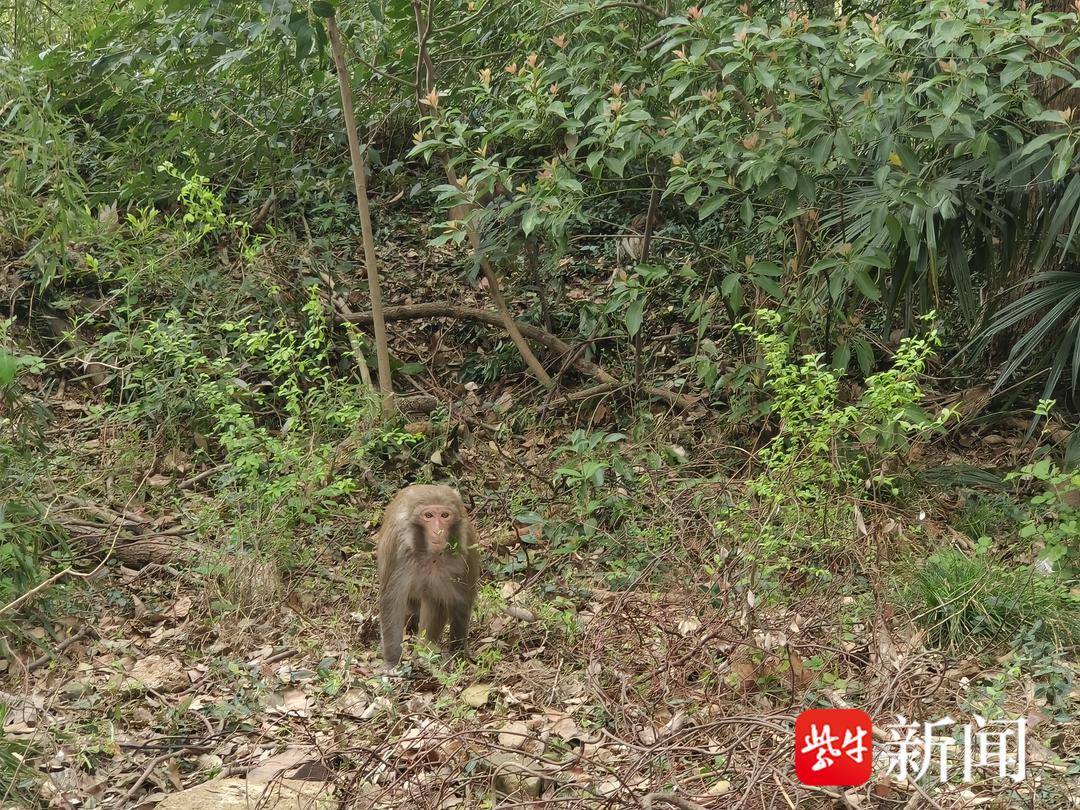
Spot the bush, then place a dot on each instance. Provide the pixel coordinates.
(824, 451)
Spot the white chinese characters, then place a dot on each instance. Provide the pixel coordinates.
(913, 750)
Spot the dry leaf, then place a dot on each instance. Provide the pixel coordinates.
(477, 694)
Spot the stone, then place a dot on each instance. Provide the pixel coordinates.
(239, 794)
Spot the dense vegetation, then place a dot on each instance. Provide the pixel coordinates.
(801, 284)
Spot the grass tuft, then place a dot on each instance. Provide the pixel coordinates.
(961, 598)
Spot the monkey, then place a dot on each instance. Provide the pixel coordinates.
(428, 565)
(630, 246)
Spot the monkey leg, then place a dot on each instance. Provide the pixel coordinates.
(459, 627)
(412, 623)
(392, 610)
(432, 619)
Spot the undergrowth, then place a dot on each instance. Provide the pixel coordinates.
(962, 599)
(801, 513)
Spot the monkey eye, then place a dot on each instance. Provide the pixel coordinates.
(429, 515)
(446, 515)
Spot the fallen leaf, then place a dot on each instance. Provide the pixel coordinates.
(688, 626)
(293, 702)
(180, 608)
(477, 694)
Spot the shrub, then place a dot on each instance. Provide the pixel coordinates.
(824, 451)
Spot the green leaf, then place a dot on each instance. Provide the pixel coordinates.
(770, 269)
(712, 205)
(769, 286)
(1011, 71)
(9, 367)
(865, 354)
(841, 357)
(730, 284)
(322, 8)
(822, 150)
(1040, 141)
(305, 37)
(747, 212)
(529, 220)
(616, 164)
(634, 315)
(788, 176)
(865, 284)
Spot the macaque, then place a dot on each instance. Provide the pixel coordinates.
(428, 567)
(630, 246)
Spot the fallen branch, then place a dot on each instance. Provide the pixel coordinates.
(198, 479)
(149, 768)
(546, 339)
(59, 648)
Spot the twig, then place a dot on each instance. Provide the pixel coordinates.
(146, 772)
(364, 211)
(279, 656)
(59, 648)
(198, 479)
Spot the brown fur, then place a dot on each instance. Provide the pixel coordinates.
(418, 586)
(630, 246)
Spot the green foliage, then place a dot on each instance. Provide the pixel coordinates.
(1051, 300)
(986, 516)
(19, 548)
(21, 417)
(204, 211)
(587, 476)
(823, 451)
(1052, 515)
(42, 197)
(822, 446)
(858, 171)
(276, 468)
(883, 152)
(961, 598)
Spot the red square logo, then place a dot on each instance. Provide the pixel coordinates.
(833, 747)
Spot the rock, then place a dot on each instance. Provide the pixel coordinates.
(287, 763)
(520, 613)
(157, 673)
(720, 788)
(76, 689)
(514, 734)
(239, 794)
(514, 778)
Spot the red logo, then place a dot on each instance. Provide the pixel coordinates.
(833, 747)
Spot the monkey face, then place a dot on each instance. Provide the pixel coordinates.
(436, 521)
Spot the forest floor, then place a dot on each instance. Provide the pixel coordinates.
(640, 669)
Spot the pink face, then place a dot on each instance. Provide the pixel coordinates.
(436, 520)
